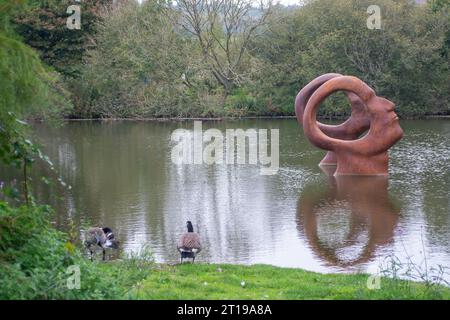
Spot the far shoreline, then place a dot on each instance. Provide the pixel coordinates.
(212, 119)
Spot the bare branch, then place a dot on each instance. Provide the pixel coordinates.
(223, 29)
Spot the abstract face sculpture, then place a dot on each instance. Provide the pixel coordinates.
(364, 156)
(351, 129)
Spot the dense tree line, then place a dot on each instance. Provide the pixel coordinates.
(28, 88)
(232, 58)
(405, 60)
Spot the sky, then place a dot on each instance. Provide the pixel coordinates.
(288, 2)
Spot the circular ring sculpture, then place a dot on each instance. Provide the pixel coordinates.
(356, 124)
(367, 155)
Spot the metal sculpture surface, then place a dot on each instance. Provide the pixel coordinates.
(367, 155)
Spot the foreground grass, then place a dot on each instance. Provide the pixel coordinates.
(213, 281)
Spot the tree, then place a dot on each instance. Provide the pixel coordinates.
(439, 6)
(136, 68)
(220, 57)
(44, 28)
(223, 30)
(401, 61)
(27, 89)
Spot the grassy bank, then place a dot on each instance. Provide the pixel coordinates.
(213, 281)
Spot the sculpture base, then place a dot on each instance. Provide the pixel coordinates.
(330, 159)
(350, 163)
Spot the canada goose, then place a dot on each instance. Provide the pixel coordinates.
(189, 243)
(102, 237)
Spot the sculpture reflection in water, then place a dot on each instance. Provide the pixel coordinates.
(346, 224)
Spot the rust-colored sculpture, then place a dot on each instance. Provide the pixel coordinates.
(364, 156)
(351, 129)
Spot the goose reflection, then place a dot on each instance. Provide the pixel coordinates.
(346, 223)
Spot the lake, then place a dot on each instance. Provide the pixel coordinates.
(121, 175)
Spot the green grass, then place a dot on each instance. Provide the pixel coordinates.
(213, 281)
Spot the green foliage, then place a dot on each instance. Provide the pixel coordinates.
(27, 87)
(402, 61)
(137, 67)
(27, 90)
(144, 65)
(135, 61)
(442, 7)
(43, 27)
(240, 103)
(32, 253)
(34, 259)
(437, 5)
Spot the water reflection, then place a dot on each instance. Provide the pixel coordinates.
(346, 223)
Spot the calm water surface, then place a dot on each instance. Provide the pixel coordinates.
(122, 176)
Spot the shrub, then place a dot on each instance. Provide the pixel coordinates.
(34, 258)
